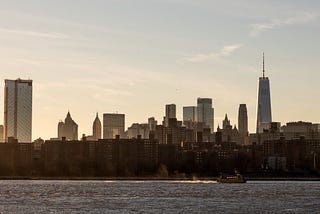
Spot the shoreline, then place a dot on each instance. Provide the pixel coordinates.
(153, 178)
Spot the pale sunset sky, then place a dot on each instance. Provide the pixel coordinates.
(135, 56)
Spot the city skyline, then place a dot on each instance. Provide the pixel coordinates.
(118, 54)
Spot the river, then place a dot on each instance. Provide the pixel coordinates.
(36, 196)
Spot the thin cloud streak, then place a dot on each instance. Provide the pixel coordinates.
(303, 18)
(50, 35)
(224, 52)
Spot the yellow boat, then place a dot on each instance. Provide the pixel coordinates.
(237, 178)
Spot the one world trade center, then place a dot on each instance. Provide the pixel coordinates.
(264, 117)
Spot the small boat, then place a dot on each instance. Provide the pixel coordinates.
(236, 178)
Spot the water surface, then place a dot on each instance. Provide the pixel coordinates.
(158, 197)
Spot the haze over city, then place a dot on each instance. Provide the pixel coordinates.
(134, 57)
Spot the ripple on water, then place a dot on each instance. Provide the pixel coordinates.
(158, 197)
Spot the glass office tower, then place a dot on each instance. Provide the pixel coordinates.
(205, 112)
(264, 117)
(18, 110)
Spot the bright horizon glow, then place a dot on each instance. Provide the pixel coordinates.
(134, 57)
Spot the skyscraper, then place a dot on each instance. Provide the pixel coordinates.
(170, 113)
(96, 128)
(68, 128)
(189, 114)
(243, 119)
(264, 103)
(152, 123)
(18, 110)
(226, 122)
(205, 112)
(1, 133)
(113, 124)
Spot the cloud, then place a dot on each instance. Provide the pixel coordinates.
(276, 23)
(224, 52)
(50, 35)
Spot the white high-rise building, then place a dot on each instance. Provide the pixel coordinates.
(205, 112)
(18, 110)
(264, 117)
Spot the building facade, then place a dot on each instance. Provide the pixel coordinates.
(296, 130)
(136, 130)
(68, 129)
(205, 112)
(96, 128)
(1, 133)
(189, 114)
(264, 103)
(152, 123)
(228, 133)
(225, 122)
(113, 125)
(18, 110)
(170, 113)
(243, 119)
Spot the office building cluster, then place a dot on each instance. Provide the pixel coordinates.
(193, 142)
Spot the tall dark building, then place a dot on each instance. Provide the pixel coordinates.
(189, 114)
(226, 122)
(243, 119)
(1, 133)
(152, 123)
(68, 128)
(96, 128)
(113, 125)
(264, 103)
(170, 113)
(205, 112)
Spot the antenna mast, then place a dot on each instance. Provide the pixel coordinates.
(263, 65)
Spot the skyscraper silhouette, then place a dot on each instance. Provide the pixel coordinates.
(1, 133)
(189, 114)
(96, 128)
(68, 128)
(18, 110)
(113, 125)
(243, 119)
(226, 122)
(170, 113)
(264, 103)
(205, 112)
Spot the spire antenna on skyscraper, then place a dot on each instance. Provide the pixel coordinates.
(264, 117)
(263, 64)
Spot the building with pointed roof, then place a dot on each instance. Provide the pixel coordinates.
(96, 128)
(228, 133)
(264, 117)
(68, 129)
(226, 122)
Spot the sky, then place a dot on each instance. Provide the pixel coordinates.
(133, 57)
